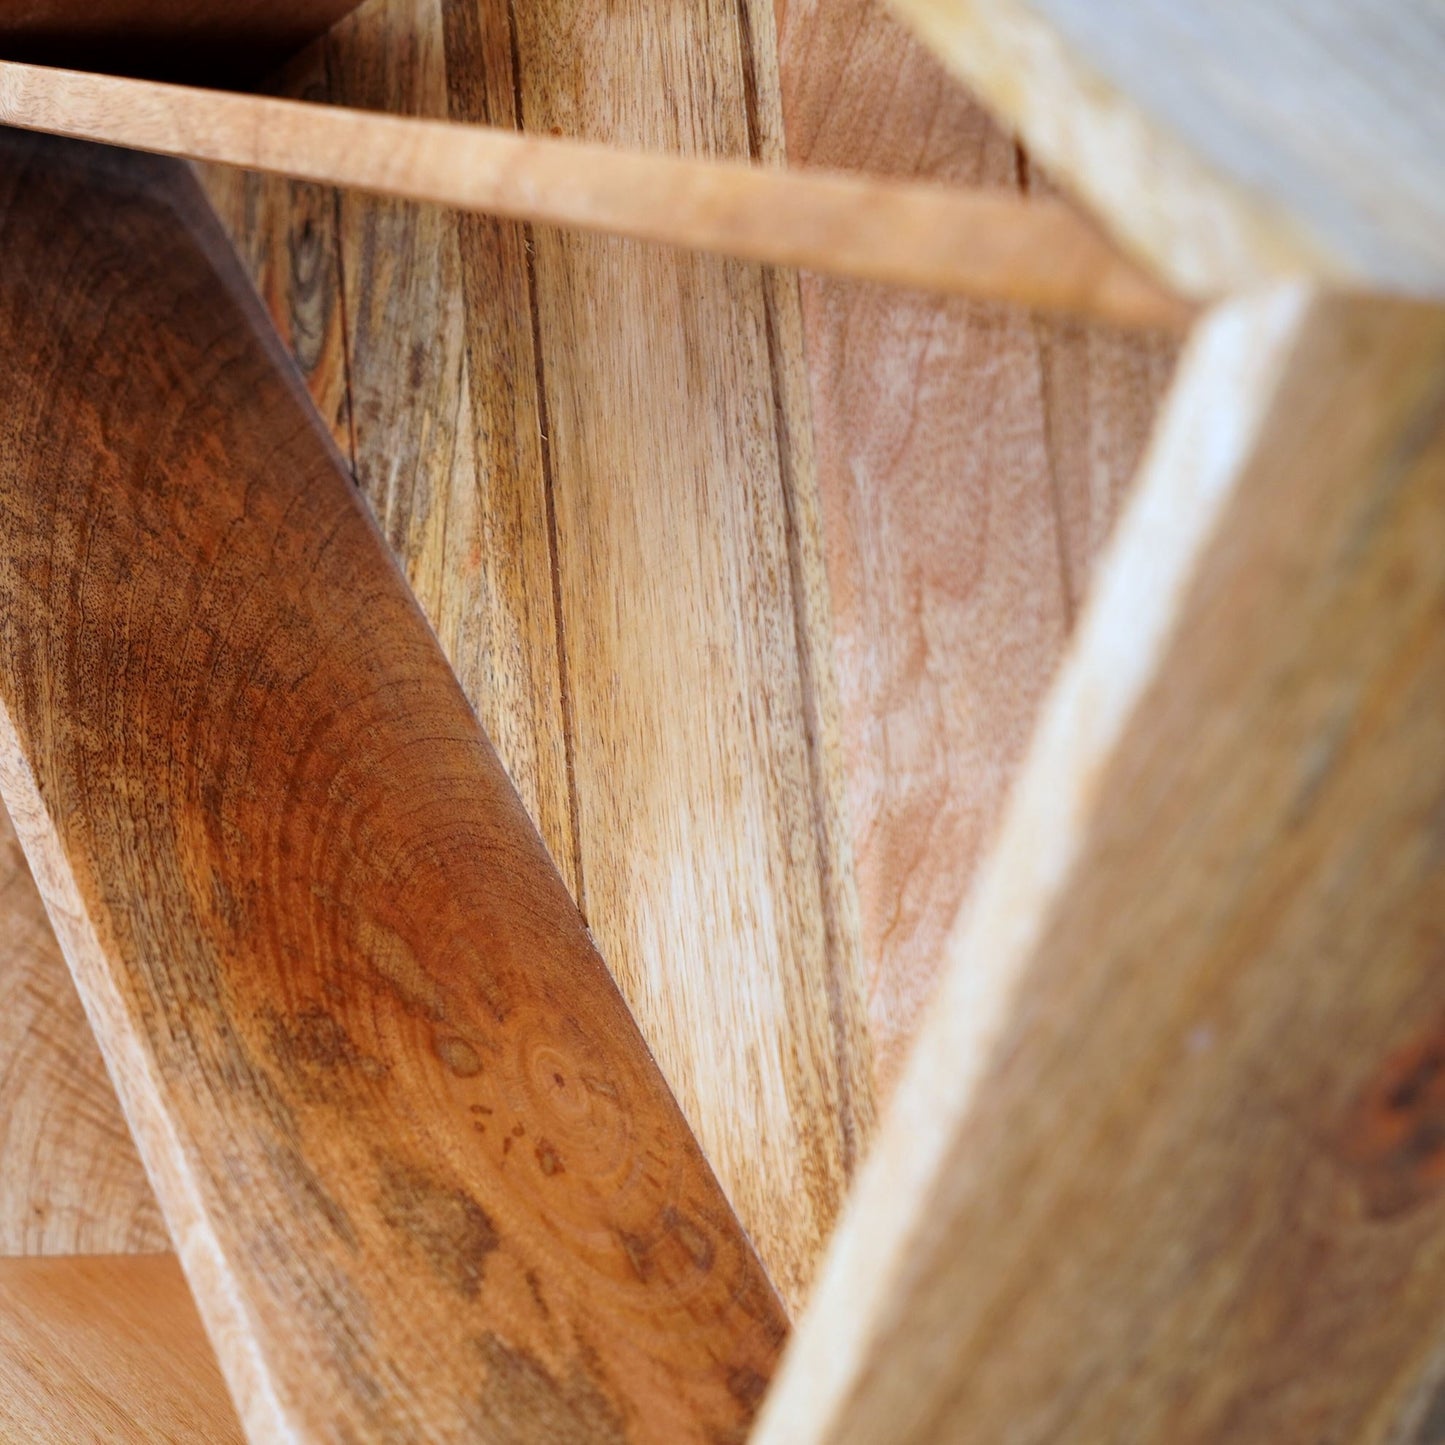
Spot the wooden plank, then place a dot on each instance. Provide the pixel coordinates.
(70, 1179)
(689, 573)
(688, 553)
(423, 1175)
(967, 457)
(1231, 143)
(1165, 1165)
(185, 39)
(449, 441)
(1040, 254)
(107, 1348)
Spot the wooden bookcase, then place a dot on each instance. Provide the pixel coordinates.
(722, 723)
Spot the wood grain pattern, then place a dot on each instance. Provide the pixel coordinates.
(1040, 254)
(698, 670)
(70, 1179)
(1233, 143)
(691, 631)
(186, 39)
(450, 442)
(286, 233)
(424, 1178)
(970, 462)
(1166, 1163)
(107, 1349)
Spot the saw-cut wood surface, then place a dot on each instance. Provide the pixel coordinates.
(1166, 1164)
(592, 457)
(1229, 143)
(70, 1179)
(107, 1349)
(184, 39)
(970, 462)
(423, 1175)
(1041, 253)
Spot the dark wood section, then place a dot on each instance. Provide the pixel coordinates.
(424, 1176)
(187, 40)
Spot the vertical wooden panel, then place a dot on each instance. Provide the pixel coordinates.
(70, 1179)
(286, 234)
(700, 808)
(970, 460)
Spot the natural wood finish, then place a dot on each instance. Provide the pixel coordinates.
(1166, 1163)
(970, 461)
(423, 1175)
(693, 646)
(185, 39)
(285, 231)
(693, 603)
(1039, 254)
(450, 438)
(107, 1349)
(1233, 142)
(70, 1180)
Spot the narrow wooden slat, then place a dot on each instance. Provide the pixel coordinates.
(1166, 1164)
(970, 462)
(1233, 142)
(1035, 254)
(183, 39)
(70, 1179)
(107, 1349)
(424, 1178)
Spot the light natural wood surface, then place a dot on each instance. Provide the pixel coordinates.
(699, 678)
(107, 1349)
(70, 1179)
(1040, 254)
(424, 1177)
(1166, 1163)
(185, 39)
(1233, 142)
(970, 463)
(699, 702)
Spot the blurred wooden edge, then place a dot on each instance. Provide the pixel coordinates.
(1165, 1163)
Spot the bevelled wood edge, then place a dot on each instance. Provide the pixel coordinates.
(1165, 1164)
(423, 1175)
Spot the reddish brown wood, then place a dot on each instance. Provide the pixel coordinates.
(424, 1176)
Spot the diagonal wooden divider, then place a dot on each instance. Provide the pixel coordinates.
(422, 1174)
(1166, 1164)
(1038, 253)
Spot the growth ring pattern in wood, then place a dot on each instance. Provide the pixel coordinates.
(425, 1179)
